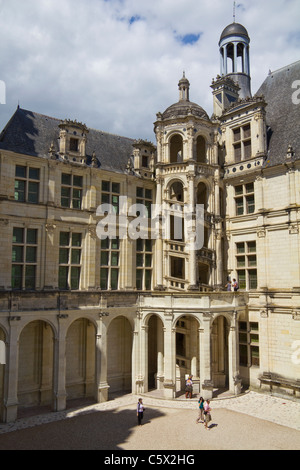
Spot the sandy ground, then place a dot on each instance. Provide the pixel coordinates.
(163, 429)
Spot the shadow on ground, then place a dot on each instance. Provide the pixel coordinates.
(83, 432)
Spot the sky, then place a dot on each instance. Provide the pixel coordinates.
(114, 64)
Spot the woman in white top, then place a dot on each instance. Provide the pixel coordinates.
(140, 411)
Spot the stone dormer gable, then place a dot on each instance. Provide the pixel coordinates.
(72, 140)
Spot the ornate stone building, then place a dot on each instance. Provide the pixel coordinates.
(86, 316)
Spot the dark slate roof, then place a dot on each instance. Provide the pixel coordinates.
(31, 133)
(283, 115)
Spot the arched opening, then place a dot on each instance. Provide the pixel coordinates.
(119, 344)
(176, 195)
(187, 353)
(176, 149)
(201, 149)
(2, 372)
(201, 195)
(80, 359)
(219, 351)
(35, 380)
(155, 353)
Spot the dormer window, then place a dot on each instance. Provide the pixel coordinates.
(73, 145)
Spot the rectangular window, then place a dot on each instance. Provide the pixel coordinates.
(249, 344)
(70, 245)
(24, 258)
(144, 197)
(109, 264)
(244, 199)
(246, 265)
(242, 143)
(27, 184)
(177, 267)
(111, 195)
(71, 191)
(144, 259)
(74, 144)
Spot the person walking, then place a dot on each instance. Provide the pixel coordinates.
(140, 411)
(235, 285)
(189, 387)
(201, 410)
(228, 286)
(207, 415)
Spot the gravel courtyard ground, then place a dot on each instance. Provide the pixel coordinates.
(167, 425)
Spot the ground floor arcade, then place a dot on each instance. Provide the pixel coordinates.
(117, 343)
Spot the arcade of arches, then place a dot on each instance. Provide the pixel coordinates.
(94, 358)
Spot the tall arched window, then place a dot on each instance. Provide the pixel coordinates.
(201, 149)
(176, 149)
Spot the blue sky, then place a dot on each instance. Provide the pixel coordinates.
(114, 64)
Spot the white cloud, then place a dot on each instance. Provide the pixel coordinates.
(114, 64)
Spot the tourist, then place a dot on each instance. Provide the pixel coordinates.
(207, 415)
(201, 410)
(235, 285)
(189, 387)
(228, 286)
(140, 411)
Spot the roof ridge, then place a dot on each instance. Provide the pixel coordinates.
(285, 67)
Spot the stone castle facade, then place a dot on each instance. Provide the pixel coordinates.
(82, 316)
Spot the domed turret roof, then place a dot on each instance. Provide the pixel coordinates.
(234, 29)
(184, 108)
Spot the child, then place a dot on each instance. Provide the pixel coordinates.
(140, 411)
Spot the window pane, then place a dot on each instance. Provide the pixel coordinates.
(17, 254)
(65, 196)
(140, 260)
(105, 243)
(250, 204)
(254, 355)
(252, 279)
(140, 192)
(115, 204)
(238, 190)
(239, 206)
(106, 186)
(75, 277)
(21, 171)
(16, 277)
(148, 261)
(243, 326)
(63, 256)
(32, 236)
(237, 152)
(75, 257)
(76, 239)
(251, 247)
(242, 279)
(115, 188)
(30, 277)
(66, 179)
(30, 254)
(74, 145)
(77, 181)
(148, 245)
(139, 244)
(243, 337)
(148, 193)
(64, 238)
(103, 278)
(240, 247)
(250, 188)
(252, 260)
(114, 278)
(236, 134)
(243, 355)
(105, 198)
(104, 258)
(254, 325)
(34, 173)
(247, 149)
(18, 235)
(139, 279)
(240, 260)
(33, 192)
(63, 277)
(115, 243)
(148, 275)
(114, 258)
(254, 338)
(19, 191)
